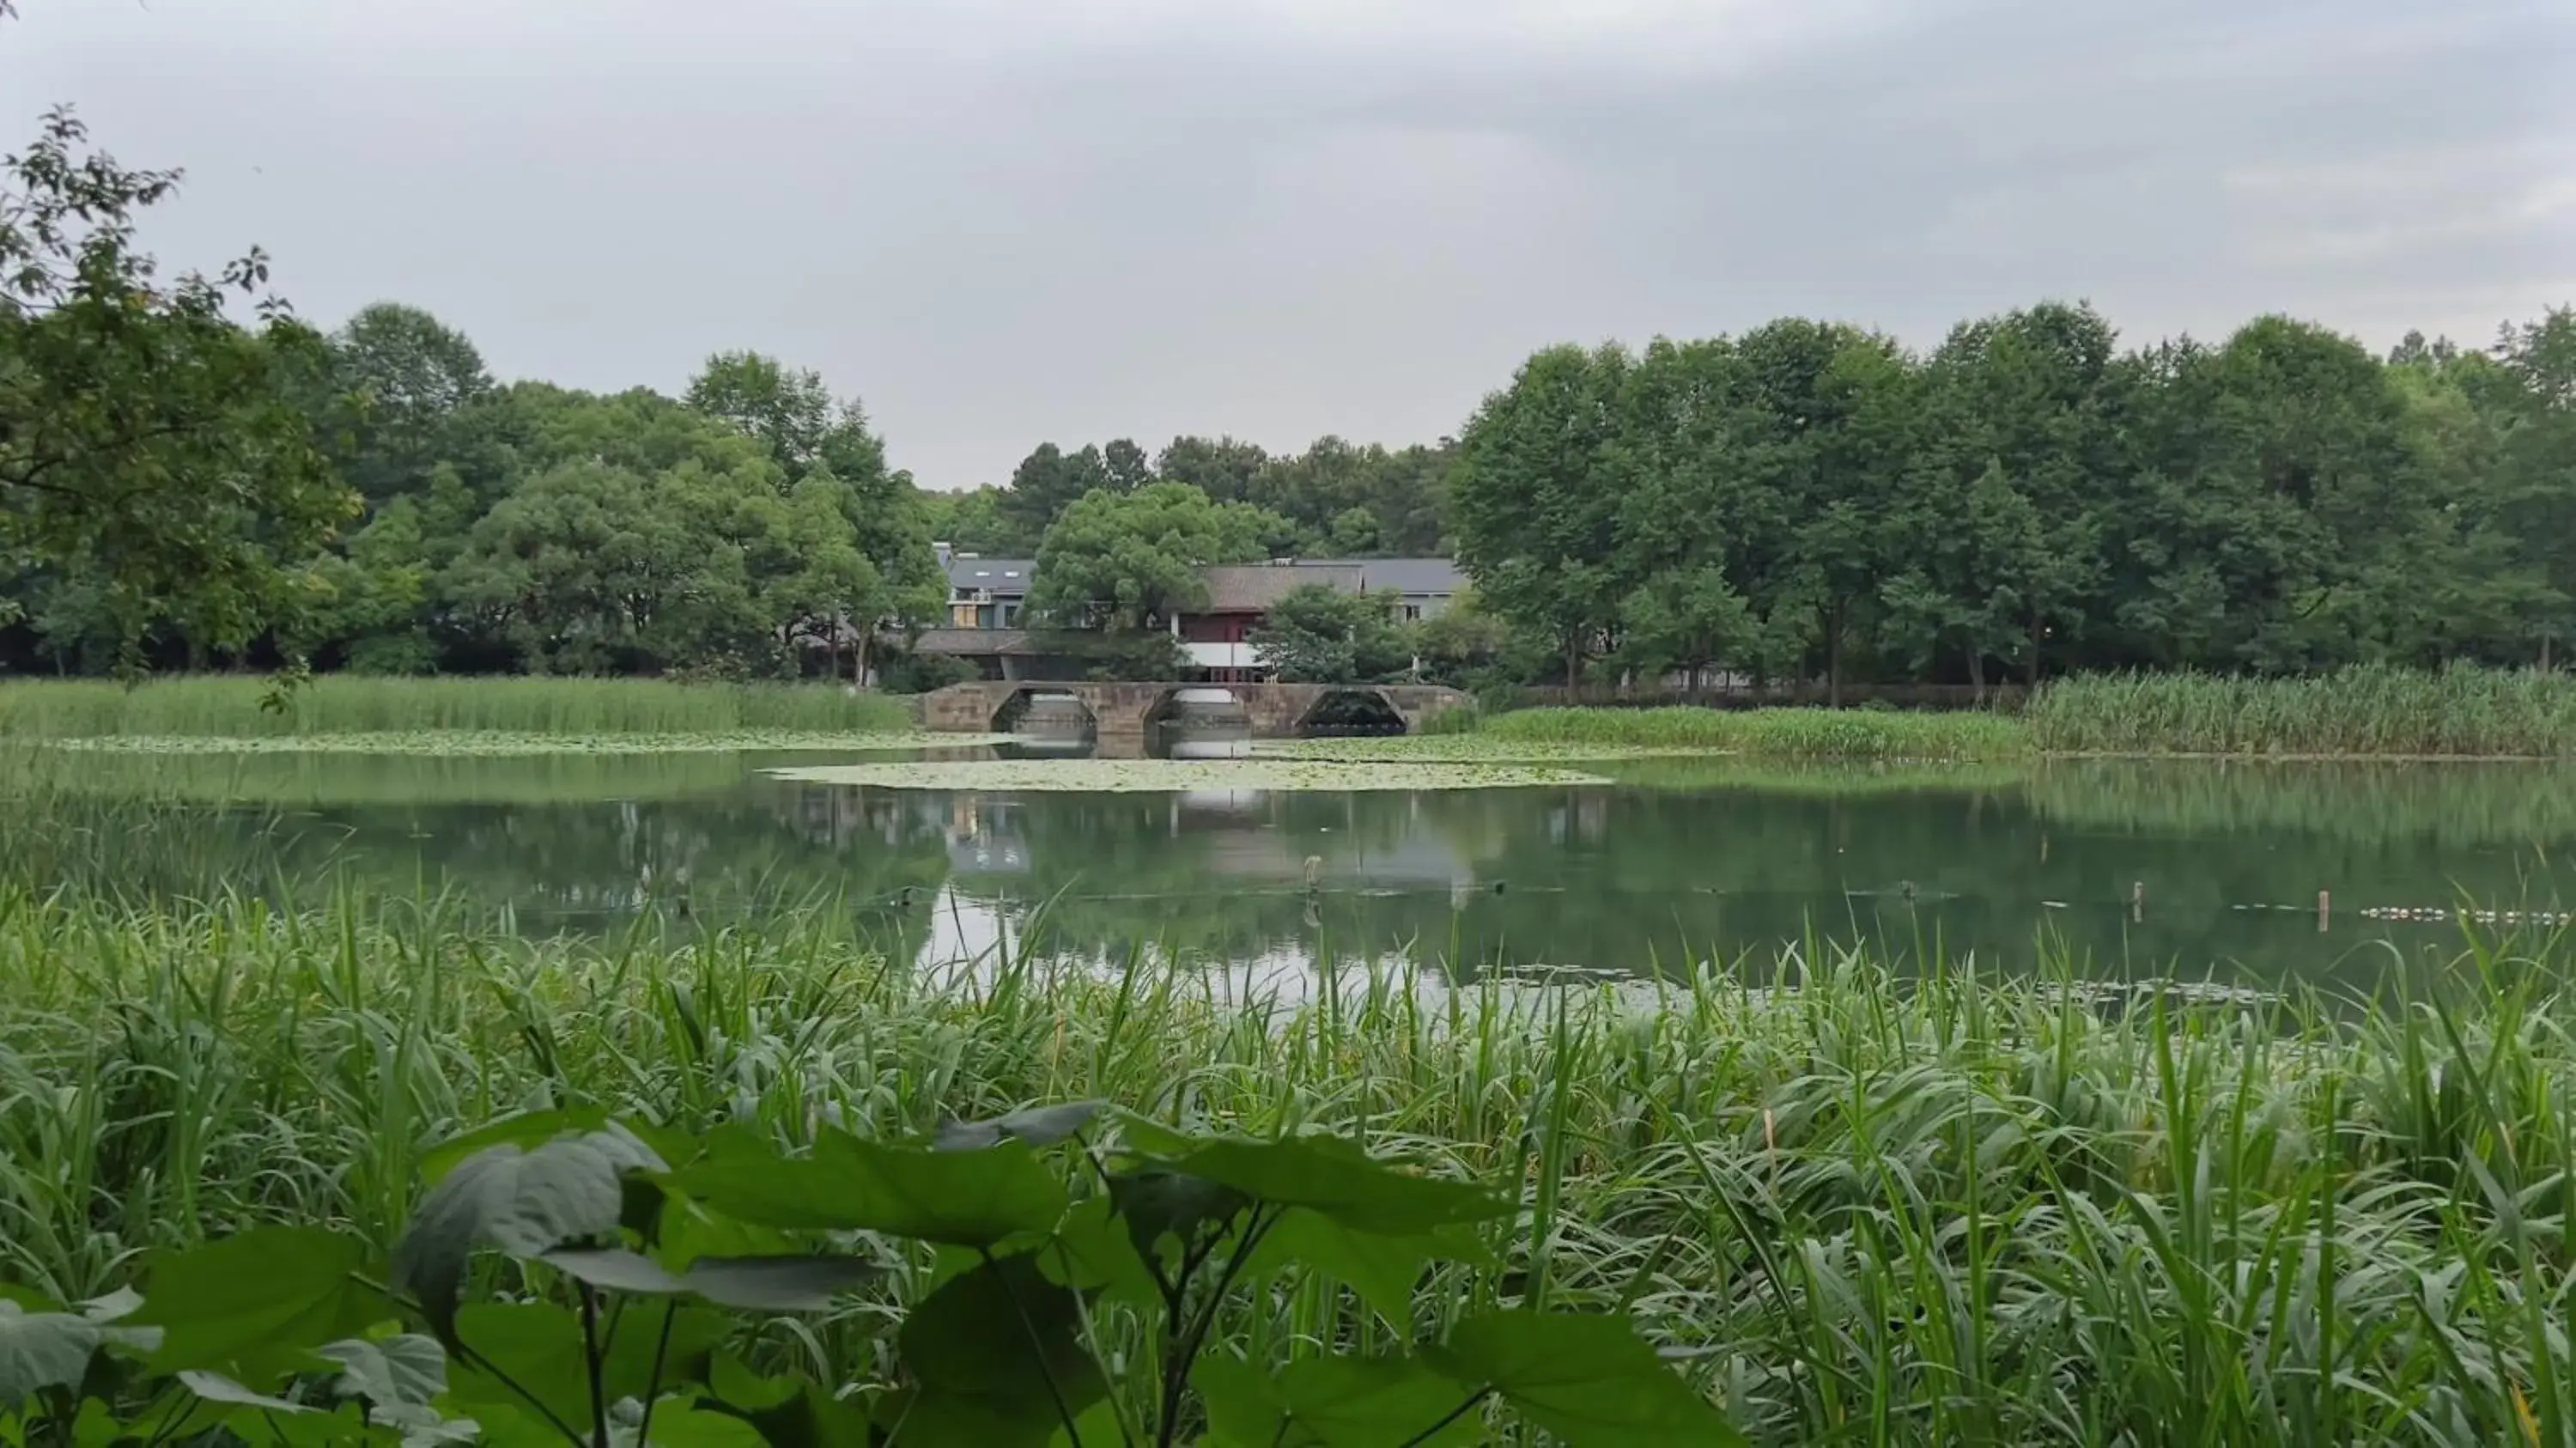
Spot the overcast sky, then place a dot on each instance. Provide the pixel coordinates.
(1008, 221)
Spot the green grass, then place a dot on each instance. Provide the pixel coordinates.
(230, 707)
(1773, 733)
(1953, 1210)
(2376, 711)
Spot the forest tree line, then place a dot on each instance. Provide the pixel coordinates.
(180, 486)
(1809, 500)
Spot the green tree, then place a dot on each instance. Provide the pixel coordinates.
(2535, 417)
(1224, 468)
(970, 522)
(1317, 634)
(148, 442)
(806, 430)
(1686, 620)
(788, 410)
(2017, 434)
(412, 378)
(1537, 495)
(1130, 562)
(1045, 484)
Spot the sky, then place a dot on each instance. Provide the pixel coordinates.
(1001, 222)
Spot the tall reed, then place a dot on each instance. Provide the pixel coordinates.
(1774, 733)
(219, 706)
(1956, 1210)
(2374, 710)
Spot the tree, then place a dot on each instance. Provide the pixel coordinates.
(1688, 621)
(147, 440)
(1317, 634)
(787, 410)
(1127, 466)
(808, 431)
(1129, 562)
(970, 522)
(1046, 483)
(412, 377)
(2534, 419)
(1223, 468)
(1536, 497)
(2017, 431)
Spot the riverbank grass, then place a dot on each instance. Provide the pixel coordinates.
(228, 707)
(1858, 1208)
(1788, 734)
(2372, 712)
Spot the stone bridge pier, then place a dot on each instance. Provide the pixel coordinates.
(1277, 711)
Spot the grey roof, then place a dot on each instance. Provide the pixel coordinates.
(973, 643)
(1257, 587)
(1417, 577)
(1002, 575)
(1414, 576)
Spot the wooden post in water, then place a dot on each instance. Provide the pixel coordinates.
(2325, 910)
(2138, 902)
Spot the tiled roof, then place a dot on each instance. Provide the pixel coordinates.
(1002, 575)
(1420, 577)
(1258, 587)
(974, 642)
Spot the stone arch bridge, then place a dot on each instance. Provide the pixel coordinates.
(1278, 711)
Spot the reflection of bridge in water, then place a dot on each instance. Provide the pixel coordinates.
(1276, 711)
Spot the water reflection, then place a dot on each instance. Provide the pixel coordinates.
(2136, 867)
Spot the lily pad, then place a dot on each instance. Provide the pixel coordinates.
(462, 743)
(1130, 776)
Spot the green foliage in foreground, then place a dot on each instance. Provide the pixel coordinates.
(1774, 733)
(2362, 711)
(568, 1277)
(230, 707)
(1948, 1211)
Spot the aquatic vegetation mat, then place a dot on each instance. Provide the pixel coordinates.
(1117, 776)
(461, 742)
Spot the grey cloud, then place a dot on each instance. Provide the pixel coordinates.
(1003, 221)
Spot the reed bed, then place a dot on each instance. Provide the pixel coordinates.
(208, 706)
(1859, 734)
(1941, 1211)
(2370, 711)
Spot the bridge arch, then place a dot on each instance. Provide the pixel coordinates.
(1356, 710)
(1045, 711)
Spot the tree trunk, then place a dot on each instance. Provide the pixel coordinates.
(1977, 671)
(1573, 661)
(1834, 656)
(2030, 674)
(859, 659)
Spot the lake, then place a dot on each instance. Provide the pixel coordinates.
(2180, 867)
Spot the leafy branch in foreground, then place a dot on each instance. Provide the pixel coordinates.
(1062, 1275)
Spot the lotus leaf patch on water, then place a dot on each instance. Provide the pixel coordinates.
(1121, 776)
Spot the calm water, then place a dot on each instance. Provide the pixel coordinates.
(1677, 861)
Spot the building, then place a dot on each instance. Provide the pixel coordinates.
(1424, 587)
(988, 598)
(1218, 638)
(985, 592)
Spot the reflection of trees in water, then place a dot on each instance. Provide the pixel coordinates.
(1604, 878)
(1616, 879)
(878, 858)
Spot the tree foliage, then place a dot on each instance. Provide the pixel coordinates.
(1317, 634)
(1815, 501)
(154, 462)
(1129, 562)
